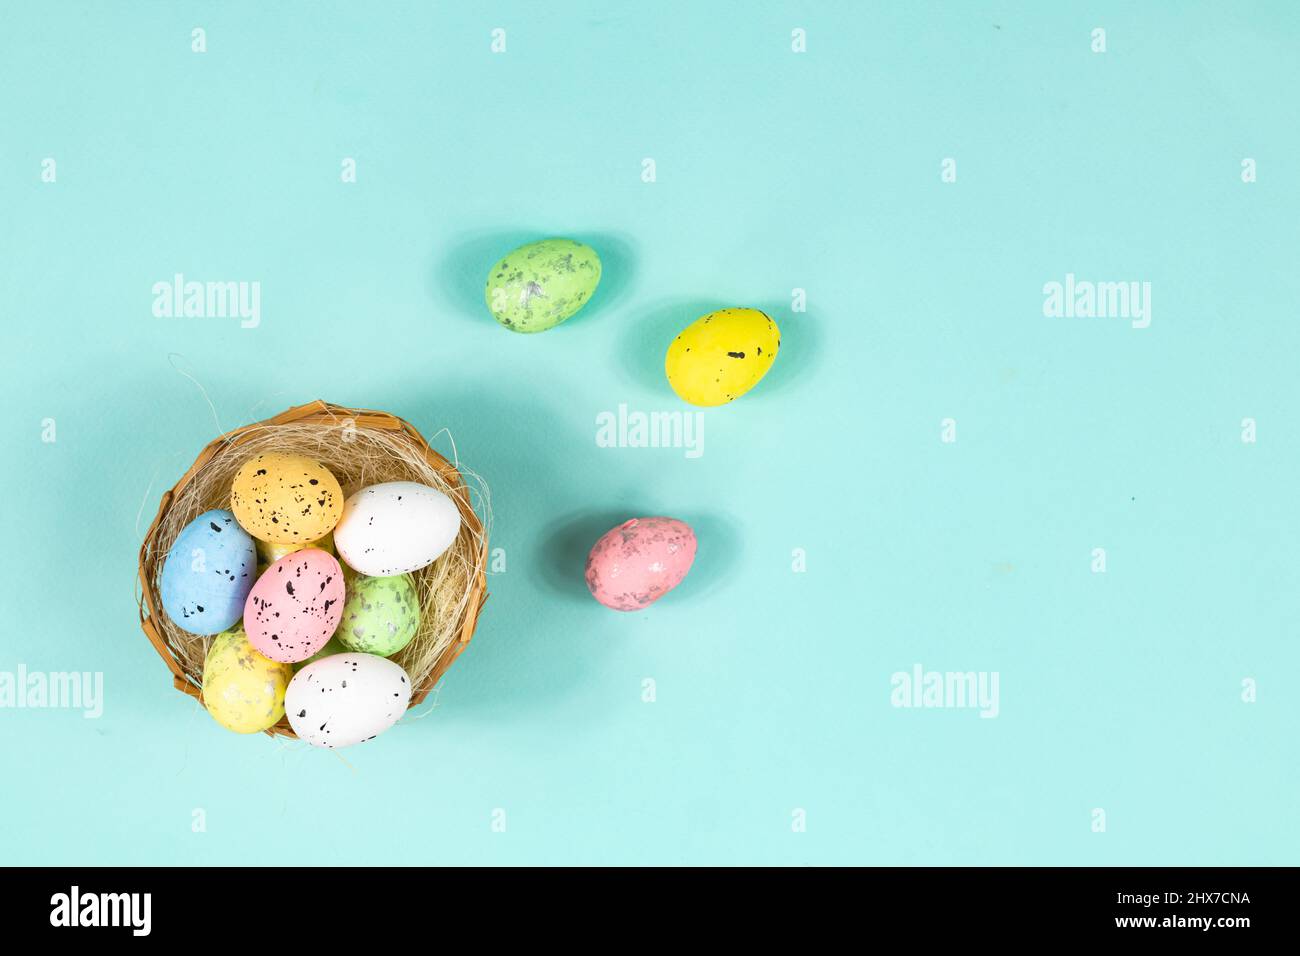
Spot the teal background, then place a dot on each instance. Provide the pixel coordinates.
(776, 171)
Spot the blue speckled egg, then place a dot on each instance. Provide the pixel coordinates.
(208, 574)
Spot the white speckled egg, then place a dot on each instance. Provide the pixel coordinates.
(395, 527)
(346, 699)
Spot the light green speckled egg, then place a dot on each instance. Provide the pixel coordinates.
(539, 285)
(380, 615)
(332, 646)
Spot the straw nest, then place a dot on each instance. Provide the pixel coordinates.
(360, 448)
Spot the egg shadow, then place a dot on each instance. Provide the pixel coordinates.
(163, 417)
(718, 548)
(522, 659)
(645, 335)
(562, 548)
(525, 654)
(617, 267)
(801, 350)
(459, 270)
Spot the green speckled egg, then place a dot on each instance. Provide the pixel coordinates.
(332, 646)
(539, 285)
(380, 615)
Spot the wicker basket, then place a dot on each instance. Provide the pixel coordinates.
(153, 551)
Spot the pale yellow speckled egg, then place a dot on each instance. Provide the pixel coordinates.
(242, 690)
(286, 499)
(722, 355)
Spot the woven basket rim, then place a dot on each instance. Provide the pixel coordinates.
(150, 605)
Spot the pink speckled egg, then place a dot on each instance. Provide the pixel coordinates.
(640, 561)
(295, 606)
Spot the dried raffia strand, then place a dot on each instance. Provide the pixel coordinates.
(361, 448)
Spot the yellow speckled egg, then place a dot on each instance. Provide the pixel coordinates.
(286, 499)
(721, 356)
(242, 690)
